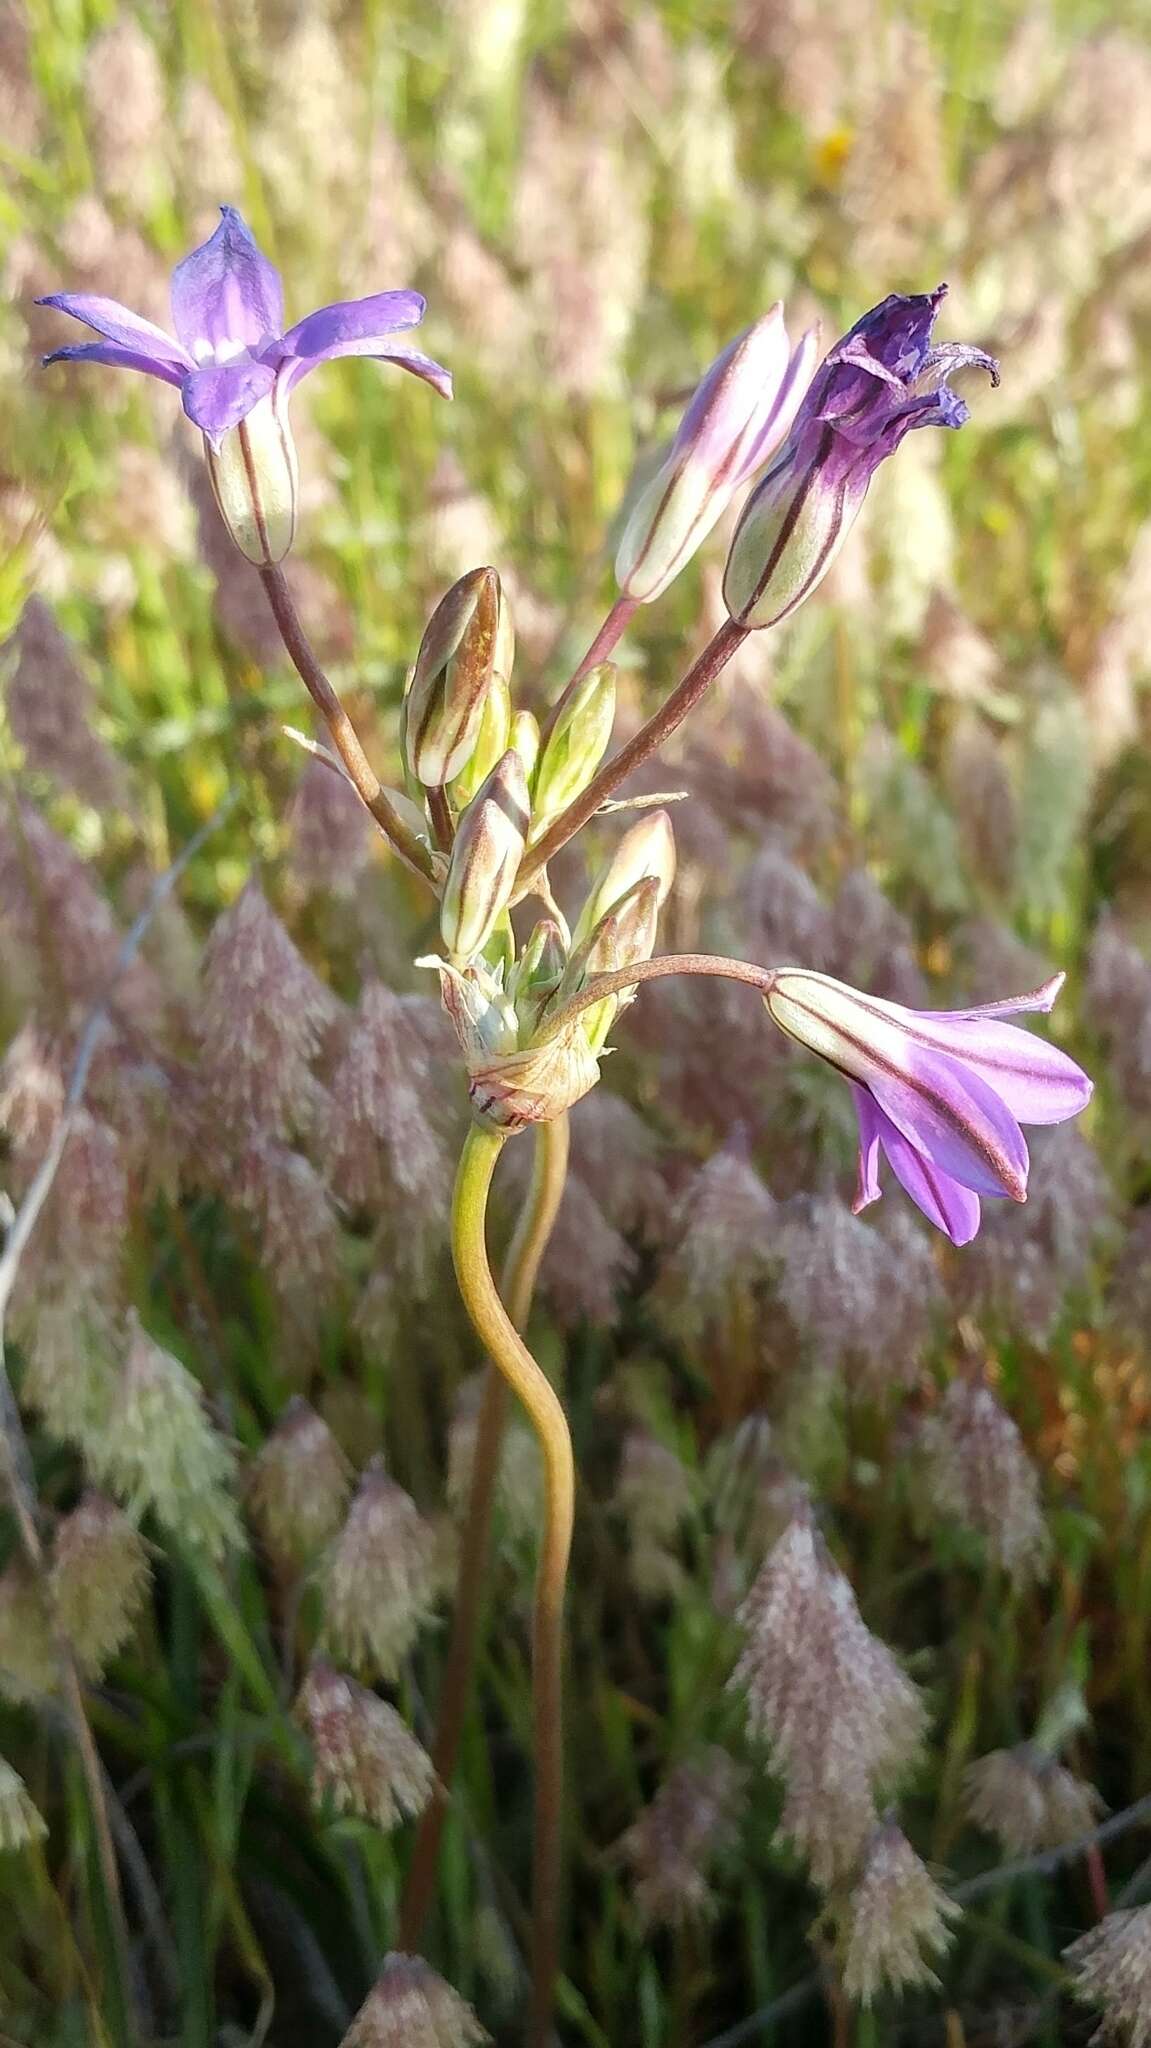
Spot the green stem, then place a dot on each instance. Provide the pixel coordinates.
(510, 1354)
(536, 1219)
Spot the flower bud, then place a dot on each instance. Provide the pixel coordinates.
(575, 746)
(740, 412)
(450, 681)
(256, 481)
(625, 933)
(525, 738)
(538, 971)
(493, 737)
(789, 534)
(648, 849)
(488, 848)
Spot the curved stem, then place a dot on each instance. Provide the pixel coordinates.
(620, 978)
(533, 1229)
(650, 737)
(610, 634)
(510, 1354)
(344, 736)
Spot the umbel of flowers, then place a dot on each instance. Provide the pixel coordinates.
(489, 796)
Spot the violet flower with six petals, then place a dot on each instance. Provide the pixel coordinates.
(942, 1093)
(231, 348)
(235, 367)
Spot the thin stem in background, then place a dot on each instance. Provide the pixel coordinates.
(16, 1468)
(533, 1229)
(647, 741)
(606, 640)
(511, 1356)
(344, 736)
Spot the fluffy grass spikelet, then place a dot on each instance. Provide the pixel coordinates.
(1112, 1969)
(29, 1667)
(21, 1822)
(689, 1825)
(411, 2007)
(366, 1760)
(1028, 1801)
(980, 1474)
(161, 1454)
(895, 1919)
(840, 1717)
(99, 1579)
(298, 1485)
(379, 1578)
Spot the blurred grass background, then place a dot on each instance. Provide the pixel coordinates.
(934, 779)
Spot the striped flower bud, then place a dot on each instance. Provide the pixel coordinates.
(493, 738)
(488, 847)
(256, 480)
(451, 678)
(575, 746)
(647, 849)
(874, 386)
(740, 412)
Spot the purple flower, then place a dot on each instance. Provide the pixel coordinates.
(941, 1092)
(880, 381)
(232, 351)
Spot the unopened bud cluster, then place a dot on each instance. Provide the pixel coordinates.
(492, 785)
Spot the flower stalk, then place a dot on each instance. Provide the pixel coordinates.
(647, 741)
(533, 1229)
(345, 739)
(512, 1358)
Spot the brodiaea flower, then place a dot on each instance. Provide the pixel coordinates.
(874, 386)
(941, 1092)
(234, 365)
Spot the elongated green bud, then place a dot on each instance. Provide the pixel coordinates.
(451, 678)
(486, 854)
(256, 481)
(575, 746)
(647, 850)
(493, 738)
(525, 738)
(626, 932)
(538, 971)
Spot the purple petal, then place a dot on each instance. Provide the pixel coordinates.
(119, 324)
(226, 295)
(1038, 1083)
(381, 346)
(118, 359)
(219, 398)
(955, 1120)
(946, 1202)
(354, 320)
(1042, 998)
(867, 1189)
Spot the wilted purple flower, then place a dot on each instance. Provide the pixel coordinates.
(739, 413)
(941, 1092)
(881, 380)
(232, 363)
